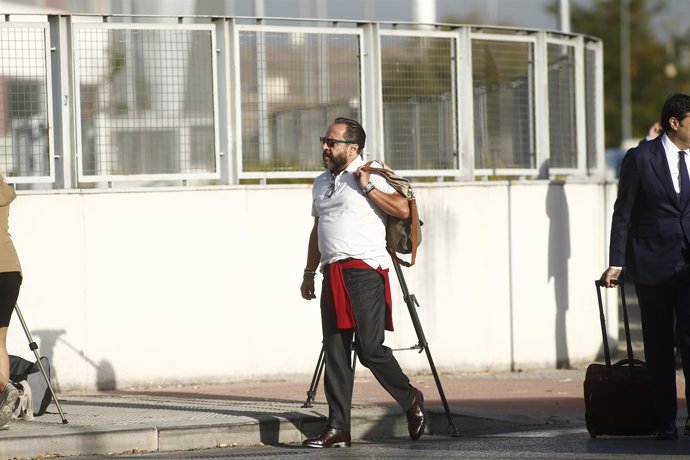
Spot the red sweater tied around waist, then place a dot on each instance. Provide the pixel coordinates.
(341, 302)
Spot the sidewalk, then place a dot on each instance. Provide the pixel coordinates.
(191, 417)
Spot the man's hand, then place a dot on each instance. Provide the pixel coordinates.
(609, 276)
(362, 177)
(307, 288)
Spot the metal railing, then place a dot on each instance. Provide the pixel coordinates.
(89, 100)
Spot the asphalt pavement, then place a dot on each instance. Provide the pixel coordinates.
(160, 419)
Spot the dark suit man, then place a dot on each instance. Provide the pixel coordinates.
(650, 233)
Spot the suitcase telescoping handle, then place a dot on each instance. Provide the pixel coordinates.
(607, 354)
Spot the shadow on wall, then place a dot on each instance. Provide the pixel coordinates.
(105, 373)
(559, 255)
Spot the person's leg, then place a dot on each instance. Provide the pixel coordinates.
(338, 376)
(657, 304)
(4, 358)
(8, 393)
(683, 330)
(9, 292)
(367, 294)
(338, 379)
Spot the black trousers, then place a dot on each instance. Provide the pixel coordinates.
(665, 314)
(9, 292)
(366, 290)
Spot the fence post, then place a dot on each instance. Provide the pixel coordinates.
(228, 173)
(372, 100)
(62, 98)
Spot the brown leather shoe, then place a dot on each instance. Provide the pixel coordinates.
(416, 420)
(331, 437)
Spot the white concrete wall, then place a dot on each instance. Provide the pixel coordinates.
(162, 286)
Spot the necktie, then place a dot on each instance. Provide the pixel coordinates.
(683, 178)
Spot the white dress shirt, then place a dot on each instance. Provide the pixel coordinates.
(672, 158)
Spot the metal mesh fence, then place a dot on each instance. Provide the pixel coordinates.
(146, 101)
(24, 110)
(591, 107)
(503, 92)
(562, 129)
(293, 85)
(418, 86)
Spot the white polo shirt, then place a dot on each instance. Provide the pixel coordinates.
(350, 224)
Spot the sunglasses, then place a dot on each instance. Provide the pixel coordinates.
(331, 142)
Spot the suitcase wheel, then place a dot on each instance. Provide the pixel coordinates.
(590, 428)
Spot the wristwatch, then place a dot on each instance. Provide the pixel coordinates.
(368, 188)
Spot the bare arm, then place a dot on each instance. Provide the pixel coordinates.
(313, 256)
(393, 204)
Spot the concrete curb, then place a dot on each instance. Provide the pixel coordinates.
(97, 440)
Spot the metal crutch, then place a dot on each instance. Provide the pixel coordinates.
(34, 348)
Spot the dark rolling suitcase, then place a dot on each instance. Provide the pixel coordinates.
(618, 397)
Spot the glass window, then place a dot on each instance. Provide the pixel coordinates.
(418, 75)
(24, 140)
(143, 95)
(562, 127)
(293, 85)
(503, 92)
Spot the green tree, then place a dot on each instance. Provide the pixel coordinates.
(650, 80)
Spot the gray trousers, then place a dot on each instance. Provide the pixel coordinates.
(366, 290)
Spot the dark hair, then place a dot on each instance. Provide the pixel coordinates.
(676, 106)
(354, 132)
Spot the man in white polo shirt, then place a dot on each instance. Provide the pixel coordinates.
(348, 242)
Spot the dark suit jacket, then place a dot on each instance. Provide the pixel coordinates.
(650, 225)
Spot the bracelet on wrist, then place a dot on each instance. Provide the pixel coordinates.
(308, 272)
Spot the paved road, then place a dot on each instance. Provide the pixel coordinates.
(548, 442)
(531, 414)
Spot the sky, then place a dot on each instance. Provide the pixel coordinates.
(531, 14)
(517, 13)
(520, 13)
(402, 10)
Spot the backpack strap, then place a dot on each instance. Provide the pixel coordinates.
(414, 237)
